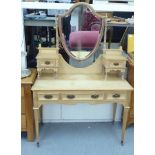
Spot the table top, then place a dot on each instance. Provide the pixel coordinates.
(30, 79)
(80, 82)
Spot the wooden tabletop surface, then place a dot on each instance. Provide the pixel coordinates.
(30, 79)
(81, 82)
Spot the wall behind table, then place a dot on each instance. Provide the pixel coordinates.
(80, 113)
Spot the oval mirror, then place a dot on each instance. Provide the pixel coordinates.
(80, 31)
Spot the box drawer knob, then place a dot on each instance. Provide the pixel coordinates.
(70, 96)
(47, 62)
(116, 64)
(48, 96)
(94, 96)
(116, 95)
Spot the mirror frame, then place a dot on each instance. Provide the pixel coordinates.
(67, 13)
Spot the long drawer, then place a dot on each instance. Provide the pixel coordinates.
(83, 96)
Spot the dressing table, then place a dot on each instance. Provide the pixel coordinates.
(65, 83)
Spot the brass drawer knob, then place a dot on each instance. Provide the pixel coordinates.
(116, 64)
(47, 62)
(116, 95)
(48, 96)
(70, 96)
(95, 96)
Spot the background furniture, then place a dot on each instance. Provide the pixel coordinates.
(27, 118)
(87, 39)
(130, 79)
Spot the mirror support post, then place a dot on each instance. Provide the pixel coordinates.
(57, 39)
(105, 33)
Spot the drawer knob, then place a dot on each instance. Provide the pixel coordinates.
(116, 95)
(70, 96)
(116, 63)
(94, 96)
(47, 62)
(48, 96)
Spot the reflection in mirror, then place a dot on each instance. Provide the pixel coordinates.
(80, 32)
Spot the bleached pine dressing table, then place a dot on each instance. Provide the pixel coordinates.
(59, 82)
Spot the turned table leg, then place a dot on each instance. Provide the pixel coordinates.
(114, 111)
(125, 116)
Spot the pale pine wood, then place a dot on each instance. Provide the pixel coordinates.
(114, 111)
(47, 60)
(22, 91)
(125, 116)
(22, 105)
(113, 60)
(70, 85)
(36, 116)
(88, 84)
(27, 105)
(48, 52)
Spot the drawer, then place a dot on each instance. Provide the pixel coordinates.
(22, 91)
(116, 96)
(82, 97)
(22, 105)
(23, 121)
(117, 64)
(48, 97)
(46, 63)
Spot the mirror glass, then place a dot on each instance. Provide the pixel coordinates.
(80, 32)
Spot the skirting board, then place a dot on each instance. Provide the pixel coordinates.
(77, 120)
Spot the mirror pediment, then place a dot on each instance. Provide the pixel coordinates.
(80, 31)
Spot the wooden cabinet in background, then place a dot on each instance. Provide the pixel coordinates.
(130, 79)
(27, 118)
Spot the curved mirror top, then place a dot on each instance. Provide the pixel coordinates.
(80, 31)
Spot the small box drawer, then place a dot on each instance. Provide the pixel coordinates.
(48, 97)
(117, 64)
(46, 63)
(23, 121)
(22, 105)
(116, 96)
(82, 97)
